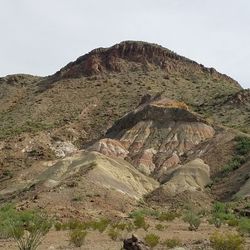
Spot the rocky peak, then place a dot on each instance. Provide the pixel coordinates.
(132, 55)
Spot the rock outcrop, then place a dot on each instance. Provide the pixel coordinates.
(106, 172)
(110, 147)
(193, 176)
(184, 182)
(155, 136)
(142, 55)
(134, 243)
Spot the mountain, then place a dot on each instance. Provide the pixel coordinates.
(121, 128)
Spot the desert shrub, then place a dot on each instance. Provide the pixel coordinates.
(152, 240)
(233, 164)
(203, 212)
(219, 207)
(244, 225)
(130, 227)
(243, 145)
(168, 216)
(114, 234)
(226, 241)
(222, 212)
(100, 225)
(160, 227)
(73, 224)
(234, 222)
(193, 219)
(171, 243)
(77, 237)
(27, 227)
(215, 221)
(7, 211)
(144, 212)
(139, 222)
(58, 226)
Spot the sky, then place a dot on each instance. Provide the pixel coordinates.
(39, 37)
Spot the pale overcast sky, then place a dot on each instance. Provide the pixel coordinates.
(40, 37)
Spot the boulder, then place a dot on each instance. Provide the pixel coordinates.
(134, 243)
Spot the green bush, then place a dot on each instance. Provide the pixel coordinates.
(226, 241)
(221, 211)
(244, 225)
(152, 240)
(73, 224)
(219, 207)
(7, 211)
(243, 145)
(234, 222)
(193, 220)
(77, 237)
(144, 212)
(27, 227)
(139, 222)
(100, 225)
(171, 243)
(168, 216)
(234, 164)
(215, 221)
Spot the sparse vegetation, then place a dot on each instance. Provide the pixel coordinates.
(77, 237)
(114, 234)
(244, 225)
(233, 164)
(242, 149)
(171, 243)
(26, 227)
(58, 226)
(121, 226)
(152, 240)
(145, 212)
(221, 241)
(168, 216)
(221, 213)
(139, 222)
(243, 145)
(192, 219)
(160, 227)
(100, 225)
